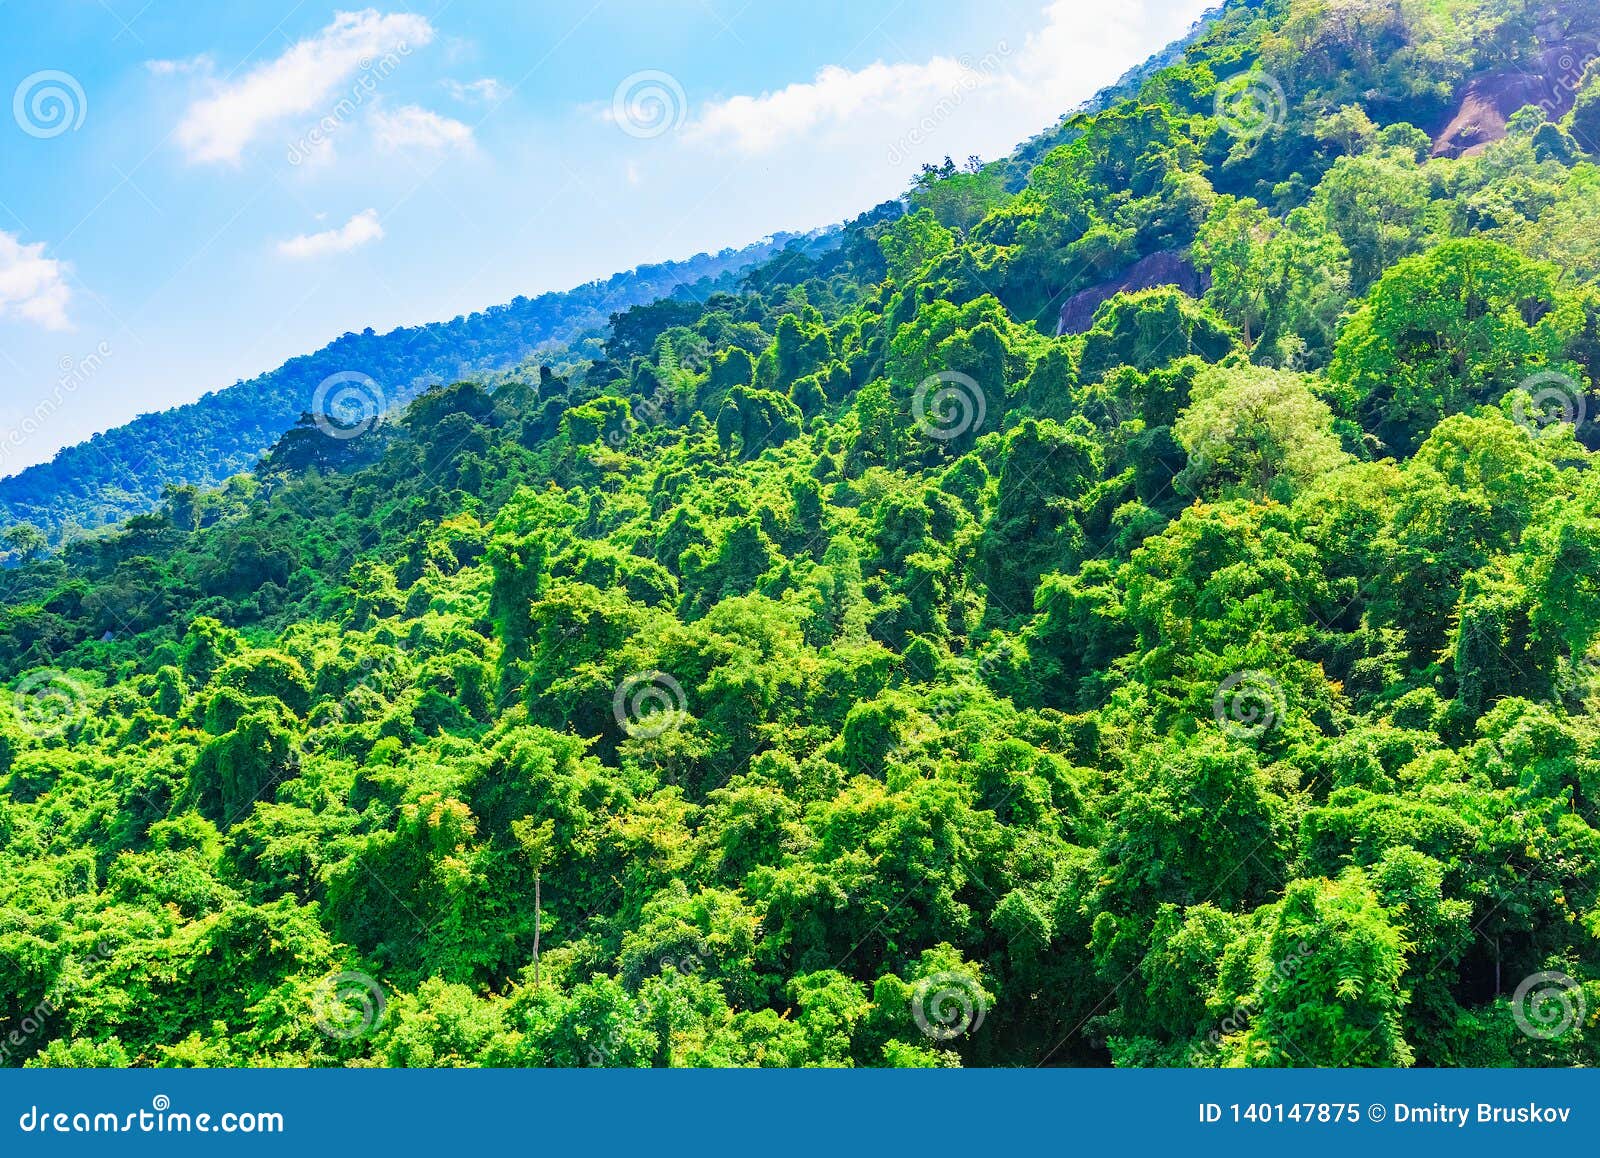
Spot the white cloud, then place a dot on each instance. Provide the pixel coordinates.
(1068, 49)
(301, 81)
(361, 229)
(835, 97)
(201, 64)
(487, 91)
(985, 102)
(32, 286)
(414, 127)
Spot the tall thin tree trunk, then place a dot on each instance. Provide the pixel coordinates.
(536, 912)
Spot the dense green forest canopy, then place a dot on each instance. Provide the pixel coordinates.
(845, 669)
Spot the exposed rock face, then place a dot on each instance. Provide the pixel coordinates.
(1165, 268)
(1489, 102)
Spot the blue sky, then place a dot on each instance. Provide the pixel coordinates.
(192, 193)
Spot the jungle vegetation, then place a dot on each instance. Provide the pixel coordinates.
(845, 669)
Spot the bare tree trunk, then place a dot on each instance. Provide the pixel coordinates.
(536, 908)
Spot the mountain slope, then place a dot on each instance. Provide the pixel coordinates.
(847, 670)
(123, 472)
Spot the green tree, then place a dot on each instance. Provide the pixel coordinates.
(912, 243)
(1457, 327)
(1255, 433)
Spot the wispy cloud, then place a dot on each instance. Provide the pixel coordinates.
(1012, 89)
(487, 91)
(32, 286)
(414, 127)
(361, 229)
(836, 96)
(301, 81)
(194, 64)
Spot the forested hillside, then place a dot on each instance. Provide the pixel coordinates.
(126, 471)
(846, 669)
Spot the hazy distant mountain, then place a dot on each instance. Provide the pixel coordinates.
(123, 471)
